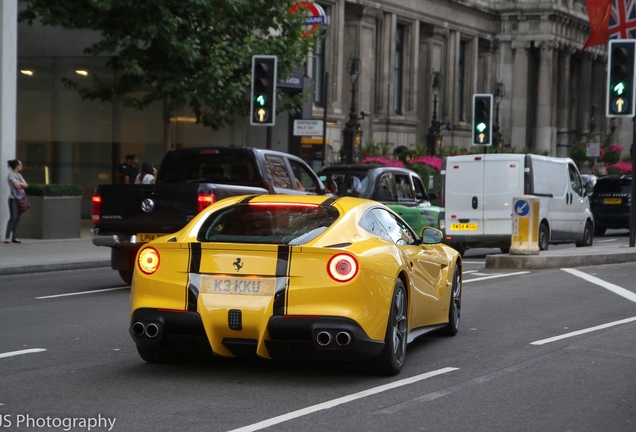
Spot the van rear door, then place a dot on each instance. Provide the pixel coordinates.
(479, 191)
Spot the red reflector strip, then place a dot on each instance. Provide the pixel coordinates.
(288, 204)
(173, 311)
(478, 158)
(455, 166)
(513, 165)
(454, 217)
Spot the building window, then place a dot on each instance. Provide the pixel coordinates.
(462, 80)
(319, 72)
(399, 69)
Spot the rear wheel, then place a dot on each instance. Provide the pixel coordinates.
(544, 237)
(588, 236)
(126, 276)
(455, 308)
(391, 358)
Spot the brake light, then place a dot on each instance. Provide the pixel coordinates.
(97, 208)
(342, 267)
(148, 261)
(205, 200)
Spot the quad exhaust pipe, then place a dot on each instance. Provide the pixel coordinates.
(140, 329)
(342, 338)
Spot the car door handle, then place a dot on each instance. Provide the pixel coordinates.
(475, 202)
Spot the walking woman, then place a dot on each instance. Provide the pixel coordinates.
(17, 185)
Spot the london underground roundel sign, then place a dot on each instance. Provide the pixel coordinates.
(315, 15)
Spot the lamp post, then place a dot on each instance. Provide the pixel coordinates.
(433, 138)
(350, 151)
(498, 93)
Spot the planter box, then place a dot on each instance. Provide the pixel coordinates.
(52, 217)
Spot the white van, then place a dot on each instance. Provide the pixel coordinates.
(477, 192)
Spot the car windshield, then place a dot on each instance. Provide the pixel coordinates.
(268, 223)
(346, 183)
(613, 185)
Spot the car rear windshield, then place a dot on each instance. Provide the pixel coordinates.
(613, 185)
(209, 166)
(346, 183)
(268, 223)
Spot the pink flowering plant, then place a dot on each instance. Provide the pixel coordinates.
(382, 160)
(621, 167)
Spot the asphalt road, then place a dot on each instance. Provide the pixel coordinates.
(65, 355)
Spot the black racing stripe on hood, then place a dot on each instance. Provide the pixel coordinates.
(282, 271)
(195, 265)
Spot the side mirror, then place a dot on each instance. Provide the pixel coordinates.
(431, 235)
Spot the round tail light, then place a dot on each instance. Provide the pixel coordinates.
(342, 267)
(148, 261)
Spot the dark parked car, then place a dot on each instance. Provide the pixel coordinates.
(611, 202)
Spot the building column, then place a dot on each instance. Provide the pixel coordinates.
(563, 104)
(520, 94)
(8, 88)
(546, 132)
(506, 76)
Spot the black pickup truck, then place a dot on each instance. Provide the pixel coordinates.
(188, 180)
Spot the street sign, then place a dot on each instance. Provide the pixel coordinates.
(308, 127)
(593, 150)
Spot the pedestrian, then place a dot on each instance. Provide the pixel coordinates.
(16, 185)
(120, 174)
(131, 171)
(148, 173)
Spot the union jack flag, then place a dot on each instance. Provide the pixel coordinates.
(622, 24)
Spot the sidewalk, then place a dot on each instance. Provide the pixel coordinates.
(34, 255)
(37, 255)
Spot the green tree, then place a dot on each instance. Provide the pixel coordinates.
(179, 52)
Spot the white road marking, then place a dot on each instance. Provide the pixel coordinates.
(580, 332)
(495, 276)
(608, 286)
(470, 271)
(472, 262)
(605, 241)
(81, 292)
(26, 351)
(339, 401)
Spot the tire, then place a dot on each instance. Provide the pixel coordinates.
(150, 355)
(391, 359)
(544, 237)
(588, 236)
(455, 308)
(599, 230)
(460, 248)
(126, 276)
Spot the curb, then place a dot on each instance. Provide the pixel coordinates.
(42, 268)
(534, 262)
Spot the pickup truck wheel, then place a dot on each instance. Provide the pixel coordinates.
(126, 276)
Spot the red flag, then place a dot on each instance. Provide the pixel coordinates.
(598, 12)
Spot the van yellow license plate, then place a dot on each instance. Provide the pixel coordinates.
(612, 201)
(464, 227)
(146, 237)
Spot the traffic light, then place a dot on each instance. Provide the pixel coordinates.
(620, 78)
(482, 119)
(263, 100)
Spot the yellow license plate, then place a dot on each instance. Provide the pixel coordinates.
(146, 237)
(464, 227)
(612, 200)
(238, 285)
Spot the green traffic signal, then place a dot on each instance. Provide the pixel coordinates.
(260, 99)
(619, 88)
(481, 127)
